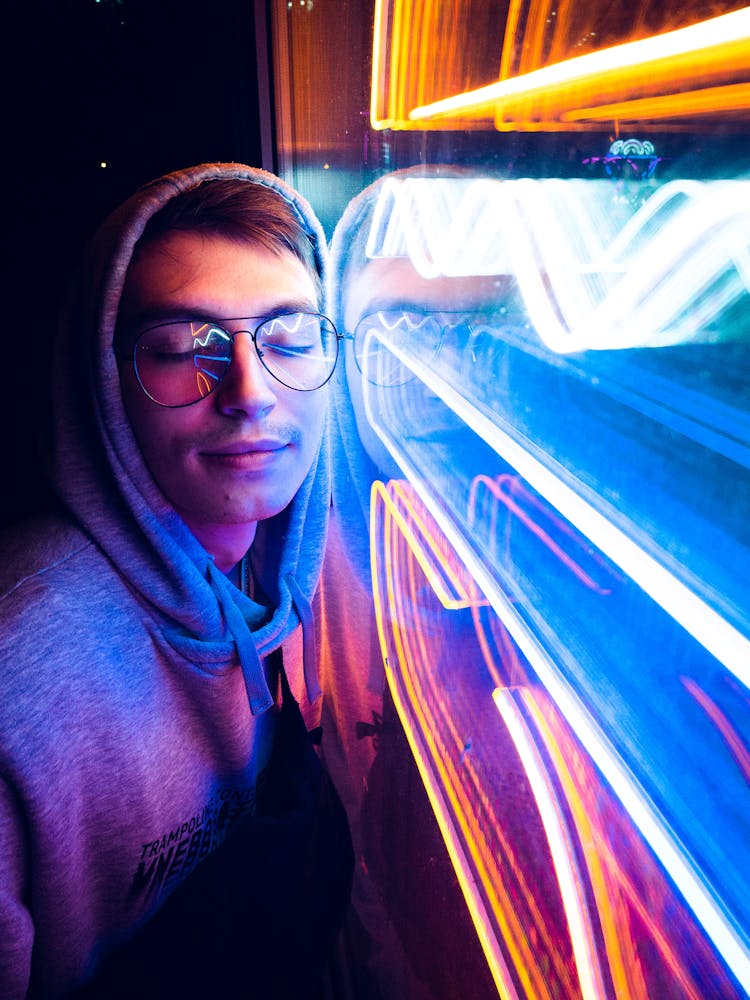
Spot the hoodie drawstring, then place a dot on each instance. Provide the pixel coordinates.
(256, 685)
(309, 643)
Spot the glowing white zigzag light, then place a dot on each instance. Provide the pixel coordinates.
(594, 273)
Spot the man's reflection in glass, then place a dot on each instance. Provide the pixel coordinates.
(391, 293)
(410, 935)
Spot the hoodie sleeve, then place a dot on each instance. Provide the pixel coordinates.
(16, 927)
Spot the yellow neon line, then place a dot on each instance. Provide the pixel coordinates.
(438, 780)
(683, 105)
(616, 936)
(700, 39)
(535, 33)
(487, 869)
(395, 69)
(561, 849)
(511, 28)
(377, 55)
(498, 968)
(605, 868)
(439, 570)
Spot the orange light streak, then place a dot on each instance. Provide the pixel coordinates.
(707, 101)
(448, 577)
(601, 885)
(713, 53)
(378, 49)
(511, 31)
(580, 817)
(624, 968)
(606, 872)
(452, 803)
(427, 759)
(563, 854)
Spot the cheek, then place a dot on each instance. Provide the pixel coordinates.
(158, 432)
(143, 421)
(310, 412)
(314, 426)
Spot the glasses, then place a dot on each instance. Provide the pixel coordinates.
(183, 361)
(422, 334)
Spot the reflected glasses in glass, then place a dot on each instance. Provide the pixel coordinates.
(379, 335)
(377, 332)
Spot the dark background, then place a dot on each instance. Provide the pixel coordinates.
(145, 86)
(149, 86)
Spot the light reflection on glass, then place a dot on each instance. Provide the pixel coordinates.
(563, 542)
(551, 66)
(539, 841)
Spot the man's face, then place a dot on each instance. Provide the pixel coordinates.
(240, 454)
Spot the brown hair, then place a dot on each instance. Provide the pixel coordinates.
(246, 212)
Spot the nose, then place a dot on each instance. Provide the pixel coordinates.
(247, 387)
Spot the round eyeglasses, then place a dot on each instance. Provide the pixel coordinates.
(183, 361)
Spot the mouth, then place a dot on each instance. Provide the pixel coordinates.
(247, 455)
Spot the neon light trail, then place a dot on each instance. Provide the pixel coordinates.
(556, 888)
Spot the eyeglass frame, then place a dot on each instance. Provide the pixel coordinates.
(130, 354)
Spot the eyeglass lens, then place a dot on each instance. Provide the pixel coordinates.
(181, 362)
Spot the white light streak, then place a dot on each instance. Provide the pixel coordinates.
(561, 489)
(561, 850)
(593, 272)
(719, 927)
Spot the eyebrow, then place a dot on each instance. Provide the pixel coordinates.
(185, 311)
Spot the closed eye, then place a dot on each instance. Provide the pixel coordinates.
(168, 357)
(289, 350)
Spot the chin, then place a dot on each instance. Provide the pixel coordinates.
(252, 512)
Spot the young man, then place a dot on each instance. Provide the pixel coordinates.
(164, 828)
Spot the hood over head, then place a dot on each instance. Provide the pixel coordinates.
(98, 471)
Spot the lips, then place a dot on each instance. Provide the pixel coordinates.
(258, 456)
(255, 446)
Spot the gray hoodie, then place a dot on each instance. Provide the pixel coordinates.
(133, 712)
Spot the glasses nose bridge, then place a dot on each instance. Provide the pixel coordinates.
(246, 383)
(251, 333)
(233, 334)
